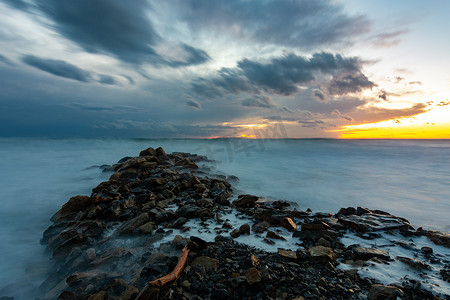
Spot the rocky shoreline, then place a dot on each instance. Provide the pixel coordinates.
(115, 243)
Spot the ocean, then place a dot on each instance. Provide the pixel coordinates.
(408, 178)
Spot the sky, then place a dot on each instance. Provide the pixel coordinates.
(235, 68)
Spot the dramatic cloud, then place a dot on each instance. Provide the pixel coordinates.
(107, 79)
(101, 108)
(349, 83)
(114, 27)
(58, 68)
(303, 24)
(283, 76)
(376, 114)
(311, 123)
(338, 114)
(194, 104)
(259, 101)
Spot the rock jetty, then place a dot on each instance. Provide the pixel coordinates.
(139, 226)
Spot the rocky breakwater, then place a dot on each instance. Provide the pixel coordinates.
(159, 214)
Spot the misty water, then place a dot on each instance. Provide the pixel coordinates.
(408, 178)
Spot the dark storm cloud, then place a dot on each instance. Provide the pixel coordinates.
(319, 95)
(113, 27)
(303, 24)
(283, 75)
(58, 68)
(311, 123)
(107, 79)
(259, 101)
(194, 104)
(349, 83)
(100, 108)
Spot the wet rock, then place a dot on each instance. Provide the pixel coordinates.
(414, 263)
(147, 228)
(188, 210)
(368, 253)
(70, 209)
(439, 238)
(160, 152)
(235, 233)
(384, 292)
(347, 211)
(179, 222)
(244, 229)
(374, 222)
(317, 225)
(253, 276)
(322, 254)
(288, 224)
(272, 235)
(206, 262)
(287, 254)
(426, 250)
(260, 227)
(361, 211)
(148, 152)
(246, 201)
(323, 242)
(131, 225)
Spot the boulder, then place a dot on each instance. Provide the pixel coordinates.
(244, 229)
(253, 276)
(131, 225)
(288, 223)
(439, 238)
(368, 253)
(384, 292)
(322, 254)
(414, 263)
(206, 262)
(272, 235)
(188, 210)
(246, 201)
(148, 152)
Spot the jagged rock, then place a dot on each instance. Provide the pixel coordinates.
(160, 152)
(253, 276)
(179, 222)
(147, 227)
(414, 263)
(206, 262)
(148, 152)
(288, 224)
(246, 201)
(384, 292)
(317, 225)
(272, 235)
(368, 253)
(131, 225)
(260, 227)
(322, 254)
(439, 238)
(287, 254)
(347, 211)
(374, 222)
(188, 210)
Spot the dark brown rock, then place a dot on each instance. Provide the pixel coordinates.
(246, 201)
(288, 223)
(384, 292)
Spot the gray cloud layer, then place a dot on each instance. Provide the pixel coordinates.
(283, 75)
(58, 68)
(115, 28)
(303, 24)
